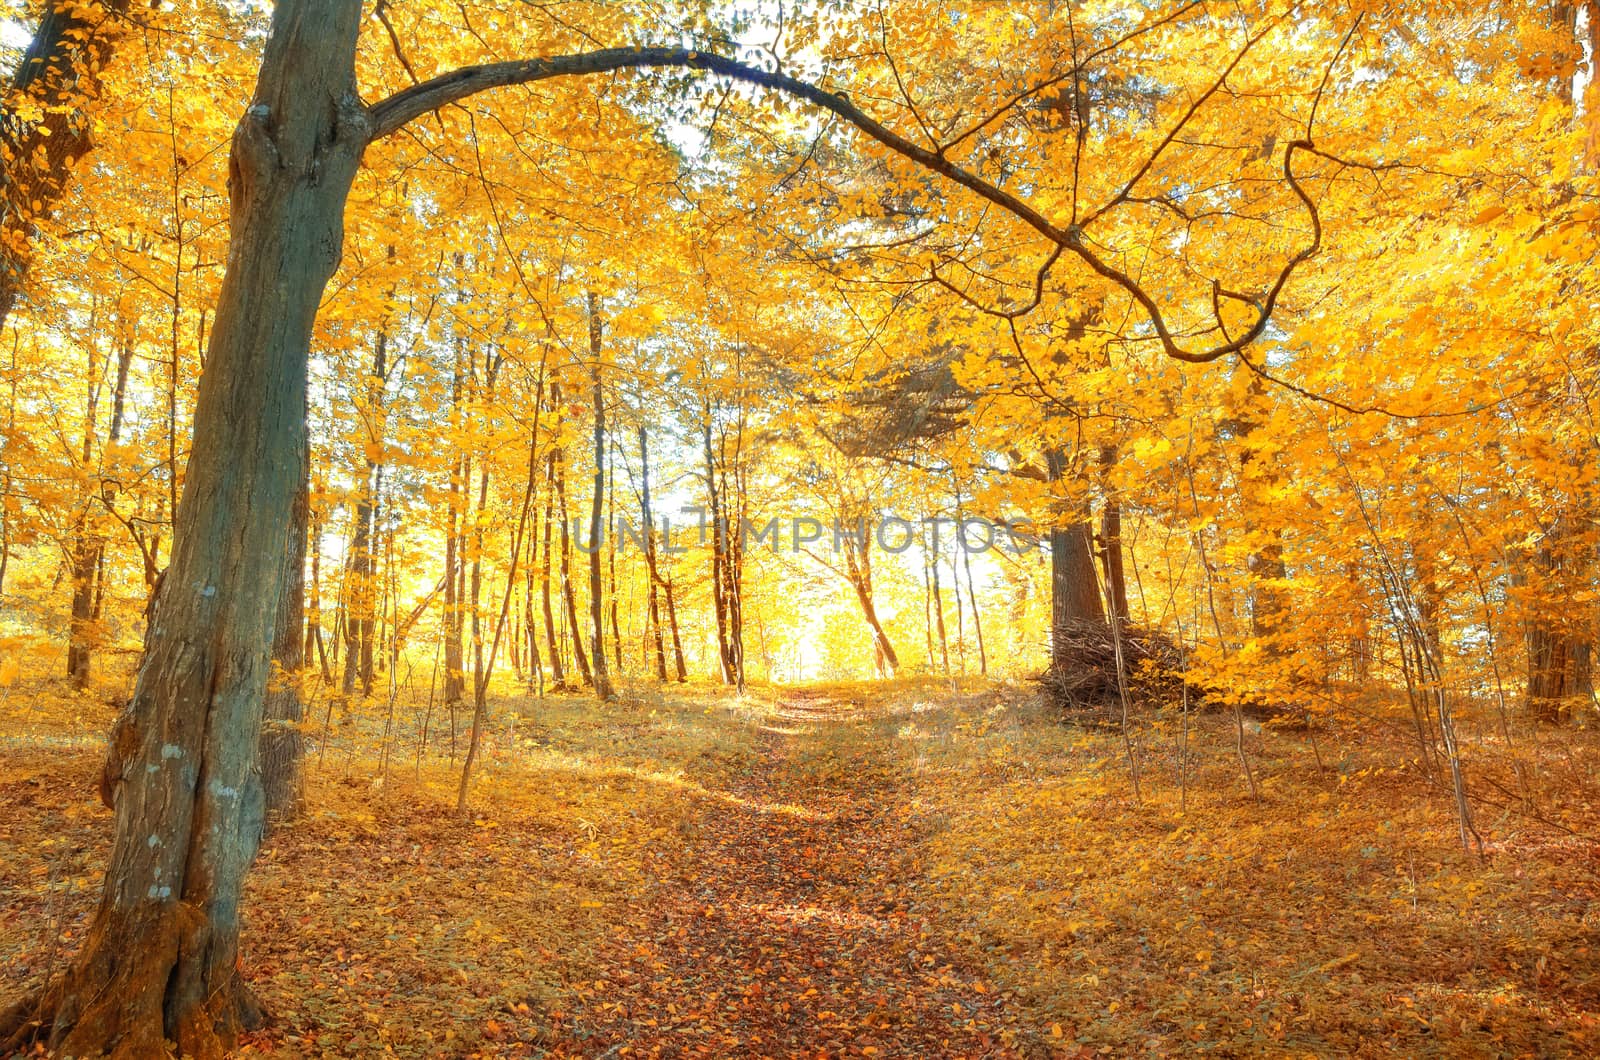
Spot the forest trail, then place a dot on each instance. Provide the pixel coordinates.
(788, 930)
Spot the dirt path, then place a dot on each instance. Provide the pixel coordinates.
(788, 932)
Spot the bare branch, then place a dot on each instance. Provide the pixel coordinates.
(393, 113)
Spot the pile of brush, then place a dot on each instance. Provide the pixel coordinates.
(1082, 679)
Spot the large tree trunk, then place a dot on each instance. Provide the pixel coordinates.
(160, 959)
(1075, 598)
(1557, 640)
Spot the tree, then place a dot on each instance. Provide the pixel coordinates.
(160, 959)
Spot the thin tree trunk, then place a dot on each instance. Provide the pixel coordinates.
(677, 642)
(361, 598)
(281, 743)
(858, 571)
(568, 597)
(1111, 556)
(556, 674)
(719, 581)
(455, 520)
(602, 676)
(611, 559)
(85, 548)
(484, 668)
(314, 603)
(651, 567)
(938, 615)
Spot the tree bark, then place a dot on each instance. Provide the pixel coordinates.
(651, 570)
(677, 642)
(314, 646)
(569, 598)
(556, 674)
(454, 674)
(972, 592)
(1075, 598)
(858, 571)
(281, 743)
(160, 959)
(86, 547)
(361, 599)
(1558, 649)
(1111, 556)
(719, 603)
(597, 654)
(936, 592)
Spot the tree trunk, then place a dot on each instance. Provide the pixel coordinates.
(1111, 556)
(1075, 598)
(314, 646)
(677, 642)
(530, 628)
(650, 556)
(1555, 655)
(556, 674)
(480, 670)
(81, 635)
(597, 654)
(936, 591)
(611, 558)
(160, 960)
(454, 674)
(281, 743)
(972, 591)
(1269, 606)
(568, 597)
(858, 570)
(719, 599)
(733, 554)
(86, 547)
(361, 598)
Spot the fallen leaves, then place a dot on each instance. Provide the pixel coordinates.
(826, 883)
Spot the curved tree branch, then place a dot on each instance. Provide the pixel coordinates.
(393, 113)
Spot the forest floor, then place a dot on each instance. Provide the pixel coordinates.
(916, 870)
